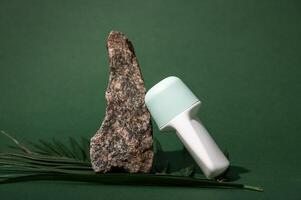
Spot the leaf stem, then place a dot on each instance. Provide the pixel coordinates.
(254, 188)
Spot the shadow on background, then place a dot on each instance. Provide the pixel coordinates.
(175, 161)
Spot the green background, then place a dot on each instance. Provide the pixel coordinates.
(241, 58)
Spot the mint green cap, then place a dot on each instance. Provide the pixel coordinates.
(168, 98)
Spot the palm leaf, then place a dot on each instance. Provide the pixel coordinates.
(132, 179)
(187, 171)
(56, 161)
(18, 144)
(77, 149)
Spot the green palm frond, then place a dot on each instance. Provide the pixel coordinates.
(54, 160)
(56, 148)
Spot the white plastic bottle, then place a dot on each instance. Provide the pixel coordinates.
(173, 106)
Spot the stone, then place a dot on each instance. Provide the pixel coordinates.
(124, 140)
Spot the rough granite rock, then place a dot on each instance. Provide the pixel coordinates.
(124, 140)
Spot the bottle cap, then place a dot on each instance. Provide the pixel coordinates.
(168, 98)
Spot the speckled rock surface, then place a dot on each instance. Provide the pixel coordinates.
(124, 140)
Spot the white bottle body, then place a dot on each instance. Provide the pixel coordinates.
(198, 142)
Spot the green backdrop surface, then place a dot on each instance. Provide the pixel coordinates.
(241, 58)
